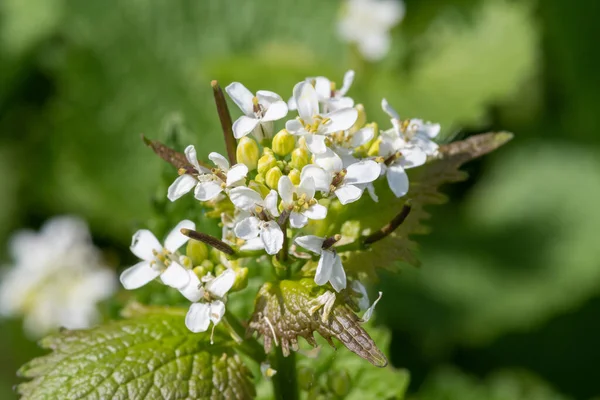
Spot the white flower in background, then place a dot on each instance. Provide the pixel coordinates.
(347, 184)
(57, 278)
(363, 301)
(313, 126)
(262, 224)
(368, 23)
(208, 183)
(301, 201)
(260, 111)
(329, 97)
(211, 307)
(330, 267)
(158, 260)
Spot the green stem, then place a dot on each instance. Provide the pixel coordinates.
(249, 345)
(285, 382)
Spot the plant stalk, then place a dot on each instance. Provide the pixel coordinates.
(285, 382)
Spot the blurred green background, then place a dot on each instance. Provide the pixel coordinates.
(507, 302)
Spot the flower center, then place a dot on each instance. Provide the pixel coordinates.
(162, 259)
(316, 125)
(301, 203)
(337, 180)
(259, 109)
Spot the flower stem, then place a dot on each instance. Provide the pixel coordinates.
(285, 382)
(225, 119)
(249, 345)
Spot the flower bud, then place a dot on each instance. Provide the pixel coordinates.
(294, 176)
(283, 143)
(196, 251)
(247, 152)
(361, 120)
(300, 158)
(266, 162)
(219, 269)
(258, 185)
(241, 279)
(272, 177)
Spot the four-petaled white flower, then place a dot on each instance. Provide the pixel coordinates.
(211, 307)
(313, 126)
(330, 268)
(260, 111)
(348, 184)
(300, 200)
(368, 22)
(329, 97)
(208, 183)
(261, 223)
(158, 260)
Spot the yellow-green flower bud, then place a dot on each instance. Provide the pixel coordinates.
(219, 269)
(266, 162)
(247, 152)
(259, 186)
(241, 279)
(361, 120)
(283, 143)
(300, 158)
(272, 177)
(294, 176)
(208, 265)
(196, 251)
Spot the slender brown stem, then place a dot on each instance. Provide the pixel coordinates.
(390, 227)
(225, 119)
(209, 240)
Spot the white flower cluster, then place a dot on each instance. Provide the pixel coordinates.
(266, 201)
(57, 279)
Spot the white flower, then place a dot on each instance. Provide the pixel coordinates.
(57, 278)
(330, 98)
(200, 314)
(260, 111)
(363, 301)
(158, 260)
(313, 126)
(368, 22)
(208, 183)
(330, 267)
(261, 225)
(348, 184)
(301, 201)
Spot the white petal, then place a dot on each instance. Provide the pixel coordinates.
(323, 87)
(276, 111)
(294, 127)
(192, 157)
(348, 193)
(175, 239)
(363, 301)
(241, 96)
(271, 203)
(245, 198)
(175, 276)
(375, 46)
(323, 272)
(306, 100)
(367, 316)
(272, 237)
(244, 125)
(316, 211)
(198, 317)
(222, 283)
(207, 190)
(389, 110)
(247, 228)
(371, 189)
(236, 174)
(306, 187)
(285, 187)
(316, 143)
(338, 275)
(253, 244)
(142, 244)
(267, 97)
(362, 136)
(412, 157)
(219, 161)
(348, 79)
(311, 242)
(321, 177)
(292, 103)
(182, 185)
(339, 103)
(217, 310)
(397, 179)
(138, 275)
(362, 172)
(340, 120)
(329, 161)
(193, 291)
(298, 220)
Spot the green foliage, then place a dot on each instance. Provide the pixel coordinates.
(152, 356)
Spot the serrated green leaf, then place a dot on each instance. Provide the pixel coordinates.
(152, 356)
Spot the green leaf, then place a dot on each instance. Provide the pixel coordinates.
(283, 312)
(151, 356)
